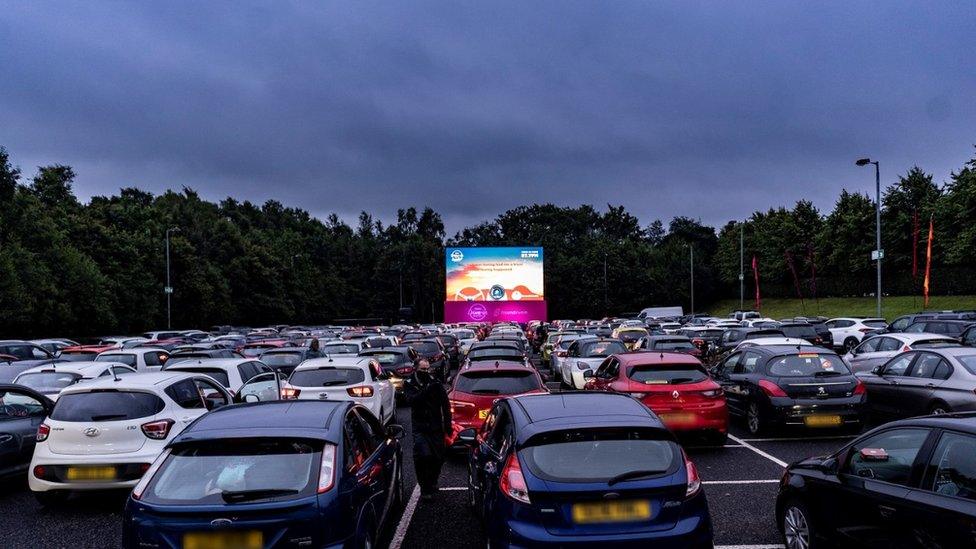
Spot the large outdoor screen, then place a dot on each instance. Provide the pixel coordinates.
(494, 274)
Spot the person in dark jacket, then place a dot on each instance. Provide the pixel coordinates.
(430, 416)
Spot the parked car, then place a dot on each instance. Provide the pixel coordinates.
(255, 349)
(452, 347)
(355, 379)
(629, 335)
(676, 343)
(875, 350)
(906, 484)
(433, 351)
(105, 434)
(231, 373)
(936, 380)
(542, 465)
(732, 337)
(397, 362)
(952, 328)
(54, 346)
(706, 338)
(142, 359)
(493, 354)
(848, 332)
(477, 387)
(785, 386)
(286, 359)
(560, 350)
(17, 356)
(202, 354)
(804, 330)
(51, 379)
(675, 386)
(349, 347)
(22, 410)
(332, 478)
(586, 354)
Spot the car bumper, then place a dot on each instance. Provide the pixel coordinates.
(788, 411)
(122, 463)
(712, 417)
(689, 533)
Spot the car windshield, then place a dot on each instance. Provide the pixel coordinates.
(598, 456)
(807, 364)
(464, 334)
(495, 352)
(277, 360)
(667, 374)
(127, 359)
(503, 382)
(237, 471)
(340, 348)
(327, 377)
(600, 349)
(216, 373)
(48, 382)
(77, 357)
(674, 346)
(106, 406)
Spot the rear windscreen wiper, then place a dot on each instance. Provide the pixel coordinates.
(826, 373)
(632, 475)
(250, 495)
(109, 417)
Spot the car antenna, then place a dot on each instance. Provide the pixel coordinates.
(496, 364)
(114, 373)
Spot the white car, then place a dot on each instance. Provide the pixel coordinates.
(465, 338)
(586, 353)
(347, 347)
(670, 328)
(232, 373)
(105, 434)
(560, 349)
(143, 359)
(356, 379)
(876, 350)
(848, 332)
(51, 379)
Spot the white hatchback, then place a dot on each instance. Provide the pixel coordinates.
(105, 434)
(356, 379)
(143, 359)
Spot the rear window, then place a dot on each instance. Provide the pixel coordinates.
(341, 348)
(505, 382)
(969, 361)
(631, 335)
(327, 377)
(277, 360)
(106, 406)
(76, 356)
(807, 364)
(127, 359)
(667, 374)
(237, 471)
(674, 346)
(598, 456)
(389, 359)
(930, 343)
(216, 373)
(48, 382)
(464, 334)
(877, 323)
(495, 352)
(599, 349)
(802, 332)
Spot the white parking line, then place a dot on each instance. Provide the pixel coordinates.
(799, 439)
(749, 546)
(401, 531)
(453, 488)
(774, 459)
(772, 481)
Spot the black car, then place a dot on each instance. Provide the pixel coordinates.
(805, 330)
(433, 351)
(906, 484)
(286, 359)
(951, 328)
(397, 362)
(968, 338)
(452, 346)
(783, 385)
(21, 412)
(734, 336)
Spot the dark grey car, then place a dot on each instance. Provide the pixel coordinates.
(930, 381)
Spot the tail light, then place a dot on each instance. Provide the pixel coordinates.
(42, 432)
(694, 481)
(457, 405)
(865, 330)
(327, 469)
(40, 471)
(698, 342)
(859, 388)
(770, 388)
(512, 482)
(713, 393)
(147, 476)
(157, 430)
(404, 371)
(562, 353)
(362, 391)
(290, 393)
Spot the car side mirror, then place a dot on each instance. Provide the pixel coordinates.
(829, 466)
(394, 431)
(251, 397)
(588, 374)
(876, 371)
(467, 436)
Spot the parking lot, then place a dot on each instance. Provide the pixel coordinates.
(740, 482)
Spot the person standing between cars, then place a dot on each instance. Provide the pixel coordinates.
(313, 349)
(430, 417)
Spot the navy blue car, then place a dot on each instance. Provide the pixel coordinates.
(575, 469)
(270, 474)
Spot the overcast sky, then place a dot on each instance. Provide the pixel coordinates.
(710, 110)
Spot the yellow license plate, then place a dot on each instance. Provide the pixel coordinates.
(482, 414)
(91, 473)
(611, 511)
(678, 418)
(223, 540)
(823, 421)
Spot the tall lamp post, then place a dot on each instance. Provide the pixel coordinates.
(742, 266)
(169, 289)
(691, 272)
(878, 253)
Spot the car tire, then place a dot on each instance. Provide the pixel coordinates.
(939, 408)
(797, 527)
(52, 498)
(850, 343)
(399, 490)
(755, 423)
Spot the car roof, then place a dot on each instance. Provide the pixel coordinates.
(917, 336)
(334, 362)
(954, 352)
(496, 365)
(149, 380)
(276, 418)
(73, 367)
(775, 350)
(962, 421)
(211, 362)
(541, 413)
(132, 351)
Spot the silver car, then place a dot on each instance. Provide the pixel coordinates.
(561, 349)
(586, 354)
(876, 350)
(931, 381)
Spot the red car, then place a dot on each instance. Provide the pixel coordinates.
(478, 386)
(675, 386)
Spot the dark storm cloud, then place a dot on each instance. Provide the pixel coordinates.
(710, 110)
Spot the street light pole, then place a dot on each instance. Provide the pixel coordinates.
(878, 252)
(691, 249)
(742, 266)
(169, 288)
(606, 302)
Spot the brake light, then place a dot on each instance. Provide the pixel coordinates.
(770, 388)
(906, 348)
(42, 432)
(713, 393)
(147, 476)
(512, 482)
(362, 391)
(40, 471)
(698, 342)
(859, 388)
(457, 404)
(404, 371)
(289, 393)
(157, 430)
(694, 481)
(327, 469)
(865, 330)
(561, 353)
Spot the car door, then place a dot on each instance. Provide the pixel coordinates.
(188, 397)
(723, 376)
(355, 488)
(862, 357)
(495, 450)
(375, 475)
(943, 509)
(384, 389)
(742, 380)
(884, 390)
(868, 504)
(917, 388)
(21, 412)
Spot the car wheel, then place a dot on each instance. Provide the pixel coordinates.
(938, 409)
(797, 529)
(754, 419)
(52, 498)
(850, 343)
(400, 495)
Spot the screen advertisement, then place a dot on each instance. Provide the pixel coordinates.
(494, 274)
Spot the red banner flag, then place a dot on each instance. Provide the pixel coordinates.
(796, 279)
(928, 262)
(915, 231)
(755, 274)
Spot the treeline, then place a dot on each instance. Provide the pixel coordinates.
(74, 269)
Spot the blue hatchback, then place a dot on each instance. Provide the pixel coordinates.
(577, 469)
(270, 474)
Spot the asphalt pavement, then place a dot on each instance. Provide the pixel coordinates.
(740, 482)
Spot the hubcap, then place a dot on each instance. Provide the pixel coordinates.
(753, 418)
(796, 529)
(938, 411)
